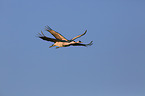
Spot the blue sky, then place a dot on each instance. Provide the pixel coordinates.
(113, 66)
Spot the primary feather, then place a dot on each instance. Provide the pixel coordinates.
(55, 34)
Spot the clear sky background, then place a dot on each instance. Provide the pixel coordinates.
(113, 66)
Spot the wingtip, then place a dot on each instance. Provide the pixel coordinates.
(39, 35)
(47, 28)
(85, 32)
(42, 33)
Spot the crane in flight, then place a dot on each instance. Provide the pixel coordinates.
(61, 41)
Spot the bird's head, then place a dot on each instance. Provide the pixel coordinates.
(73, 42)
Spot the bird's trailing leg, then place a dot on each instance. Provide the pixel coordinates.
(57, 47)
(51, 46)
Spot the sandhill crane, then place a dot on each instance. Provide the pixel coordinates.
(60, 40)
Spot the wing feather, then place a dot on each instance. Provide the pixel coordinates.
(79, 35)
(42, 36)
(55, 34)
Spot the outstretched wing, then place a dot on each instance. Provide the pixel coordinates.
(79, 36)
(55, 34)
(79, 44)
(42, 36)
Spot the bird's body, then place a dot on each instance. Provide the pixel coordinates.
(61, 44)
(60, 40)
